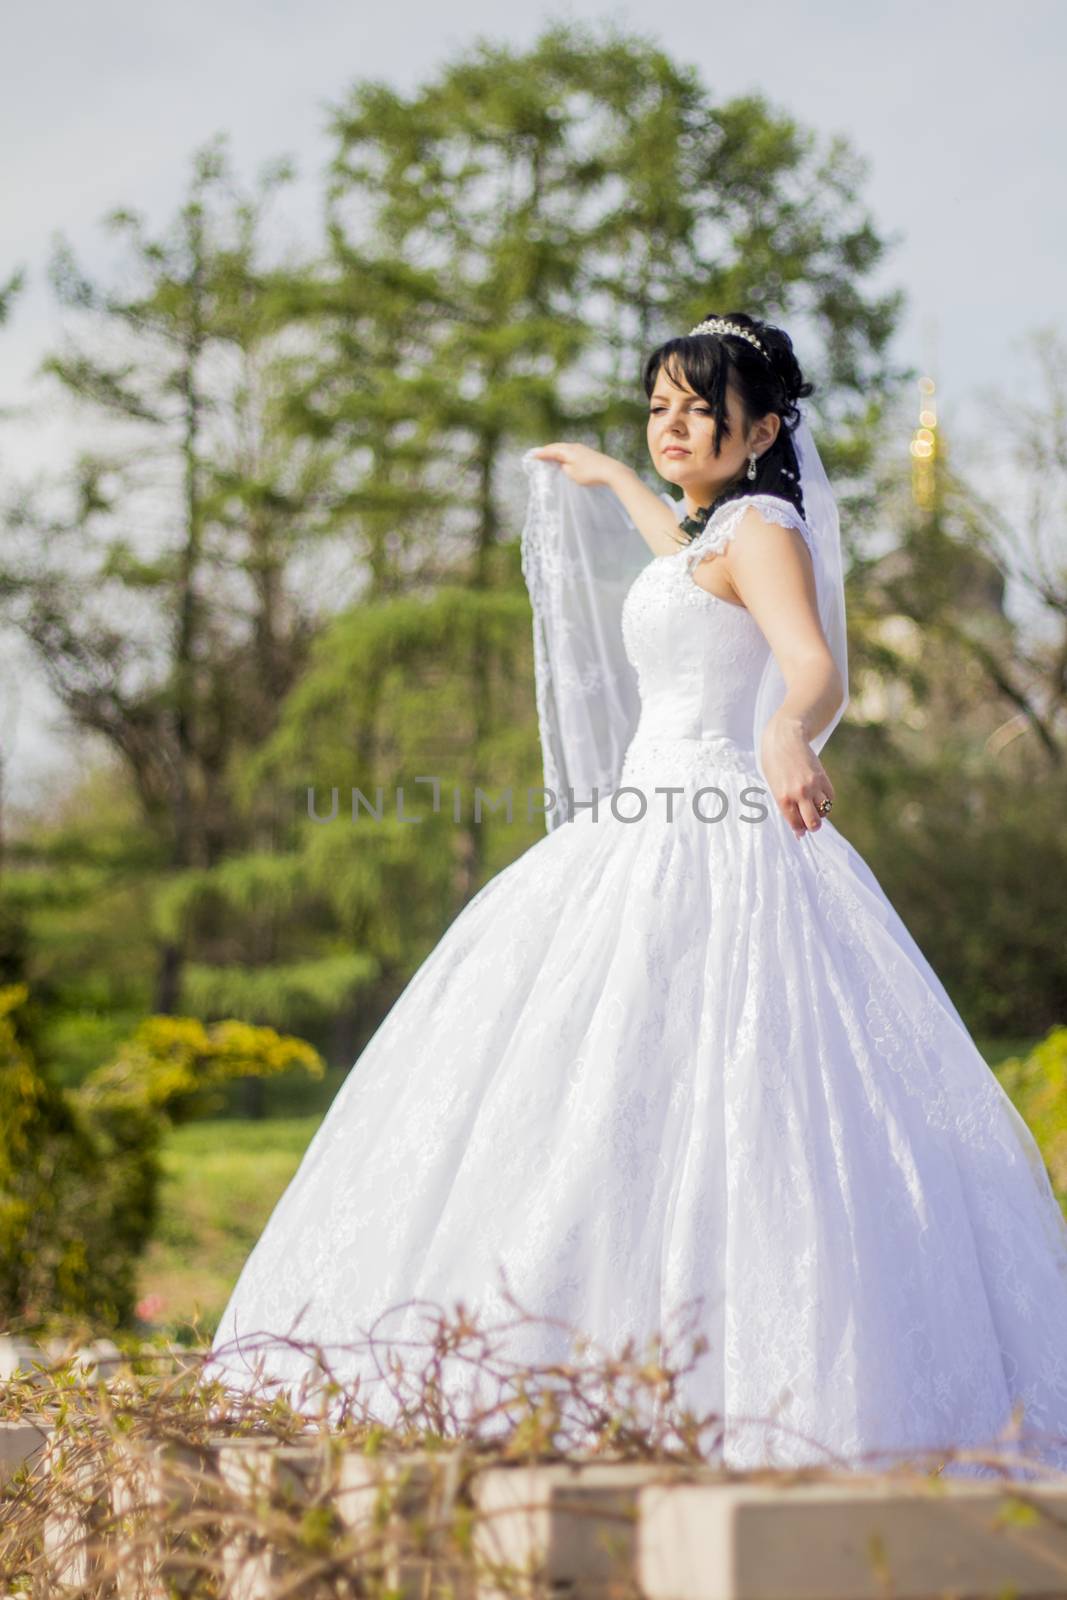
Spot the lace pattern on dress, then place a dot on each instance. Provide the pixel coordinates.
(540, 547)
(724, 523)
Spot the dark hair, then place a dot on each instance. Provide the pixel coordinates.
(708, 362)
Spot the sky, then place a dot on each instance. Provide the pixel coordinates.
(957, 108)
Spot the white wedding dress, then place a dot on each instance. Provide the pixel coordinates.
(657, 1063)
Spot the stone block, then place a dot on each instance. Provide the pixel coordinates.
(401, 1506)
(562, 1525)
(18, 1356)
(153, 1483)
(854, 1540)
(264, 1477)
(21, 1444)
(79, 1510)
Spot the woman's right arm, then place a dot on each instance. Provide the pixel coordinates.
(651, 516)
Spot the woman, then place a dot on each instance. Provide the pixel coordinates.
(683, 1051)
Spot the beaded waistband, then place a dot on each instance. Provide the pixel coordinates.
(653, 759)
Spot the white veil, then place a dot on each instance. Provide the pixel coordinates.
(580, 554)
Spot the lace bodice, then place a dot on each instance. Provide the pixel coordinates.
(698, 658)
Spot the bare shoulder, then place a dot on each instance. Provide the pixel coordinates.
(771, 524)
(770, 554)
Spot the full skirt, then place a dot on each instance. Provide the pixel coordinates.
(661, 1063)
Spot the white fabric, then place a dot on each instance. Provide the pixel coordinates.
(580, 552)
(664, 1070)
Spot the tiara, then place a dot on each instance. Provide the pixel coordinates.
(718, 325)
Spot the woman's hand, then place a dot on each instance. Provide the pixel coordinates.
(797, 777)
(581, 463)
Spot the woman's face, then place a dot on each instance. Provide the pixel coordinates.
(681, 440)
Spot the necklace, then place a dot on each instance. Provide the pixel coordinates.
(696, 523)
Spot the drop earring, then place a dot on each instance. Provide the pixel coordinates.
(752, 466)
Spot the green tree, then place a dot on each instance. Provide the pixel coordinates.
(155, 597)
(505, 244)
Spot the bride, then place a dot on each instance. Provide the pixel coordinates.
(683, 1051)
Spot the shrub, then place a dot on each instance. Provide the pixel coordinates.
(1037, 1083)
(80, 1168)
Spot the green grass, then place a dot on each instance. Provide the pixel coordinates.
(221, 1181)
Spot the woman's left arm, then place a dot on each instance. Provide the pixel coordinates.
(770, 568)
